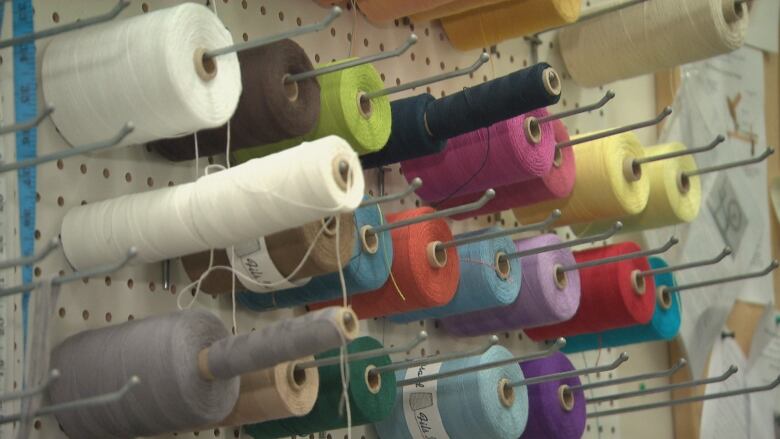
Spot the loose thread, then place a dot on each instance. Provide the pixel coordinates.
(388, 263)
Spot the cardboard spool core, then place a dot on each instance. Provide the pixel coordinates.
(559, 276)
(532, 130)
(290, 88)
(732, 10)
(683, 183)
(364, 105)
(552, 82)
(341, 172)
(503, 267)
(632, 171)
(205, 67)
(664, 298)
(349, 320)
(557, 158)
(506, 393)
(566, 397)
(296, 377)
(329, 223)
(369, 239)
(373, 380)
(638, 282)
(437, 256)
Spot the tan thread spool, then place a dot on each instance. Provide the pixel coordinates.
(638, 282)
(506, 393)
(437, 256)
(566, 397)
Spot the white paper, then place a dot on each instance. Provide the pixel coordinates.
(726, 417)
(421, 405)
(764, 367)
(763, 31)
(254, 261)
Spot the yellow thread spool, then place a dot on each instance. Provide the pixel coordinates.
(453, 8)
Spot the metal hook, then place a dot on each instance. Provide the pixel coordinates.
(700, 171)
(246, 45)
(30, 123)
(649, 159)
(110, 15)
(54, 374)
(682, 362)
(59, 280)
(28, 260)
(674, 402)
(412, 40)
(413, 186)
(726, 251)
(78, 150)
(487, 196)
(107, 398)
(422, 361)
(329, 361)
(554, 215)
(648, 123)
(607, 97)
(555, 347)
(640, 254)
(574, 242)
(723, 377)
(772, 266)
(483, 58)
(622, 358)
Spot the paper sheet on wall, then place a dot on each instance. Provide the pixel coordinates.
(726, 417)
(764, 367)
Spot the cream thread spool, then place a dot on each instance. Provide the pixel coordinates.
(638, 282)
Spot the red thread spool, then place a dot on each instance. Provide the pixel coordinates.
(427, 277)
(613, 295)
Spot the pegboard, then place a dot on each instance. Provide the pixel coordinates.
(137, 291)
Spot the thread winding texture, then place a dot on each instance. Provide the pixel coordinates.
(651, 36)
(609, 299)
(384, 10)
(101, 77)
(541, 301)
(268, 110)
(366, 406)
(453, 7)
(600, 164)
(664, 325)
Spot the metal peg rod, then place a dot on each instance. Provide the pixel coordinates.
(246, 45)
(422, 361)
(78, 150)
(607, 97)
(723, 377)
(682, 362)
(487, 196)
(674, 402)
(555, 347)
(329, 361)
(110, 15)
(657, 158)
(554, 215)
(413, 186)
(22, 394)
(31, 123)
(28, 260)
(483, 58)
(648, 123)
(641, 254)
(574, 242)
(596, 14)
(672, 268)
(767, 152)
(412, 40)
(622, 358)
(772, 266)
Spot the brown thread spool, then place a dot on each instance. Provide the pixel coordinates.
(205, 66)
(638, 282)
(506, 393)
(566, 397)
(532, 130)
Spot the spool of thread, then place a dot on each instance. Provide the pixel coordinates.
(164, 85)
(268, 111)
(422, 275)
(674, 198)
(490, 25)
(278, 392)
(664, 325)
(606, 164)
(487, 279)
(554, 410)
(383, 10)
(163, 351)
(366, 270)
(409, 137)
(257, 198)
(499, 99)
(510, 151)
(371, 397)
(547, 295)
(613, 295)
(558, 183)
(454, 7)
(364, 123)
(472, 405)
(286, 250)
(630, 43)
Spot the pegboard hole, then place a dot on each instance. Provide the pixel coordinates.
(37, 234)
(152, 286)
(37, 424)
(333, 32)
(245, 36)
(216, 432)
(61, 312)
(108, 317)
(55, 17)
(150, 182)
(262, 10)
(83, 168)
(365, 42)
(60, 201)
(85, 315)
(281, 16)
(381, 47)
(60, 164)
(244, 4)
(37, 197)
(37, 271)
(317, 57)
(108, 281)
(130, 284)
(106, 173)
(130, 317)
(144, 7)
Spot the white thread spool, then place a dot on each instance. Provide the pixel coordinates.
(144, 69)
(257, 198)
(651, 36)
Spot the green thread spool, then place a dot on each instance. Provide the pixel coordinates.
(371, 397)
(364, 123)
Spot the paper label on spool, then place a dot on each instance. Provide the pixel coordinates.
(254, 261)
(421, 405)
